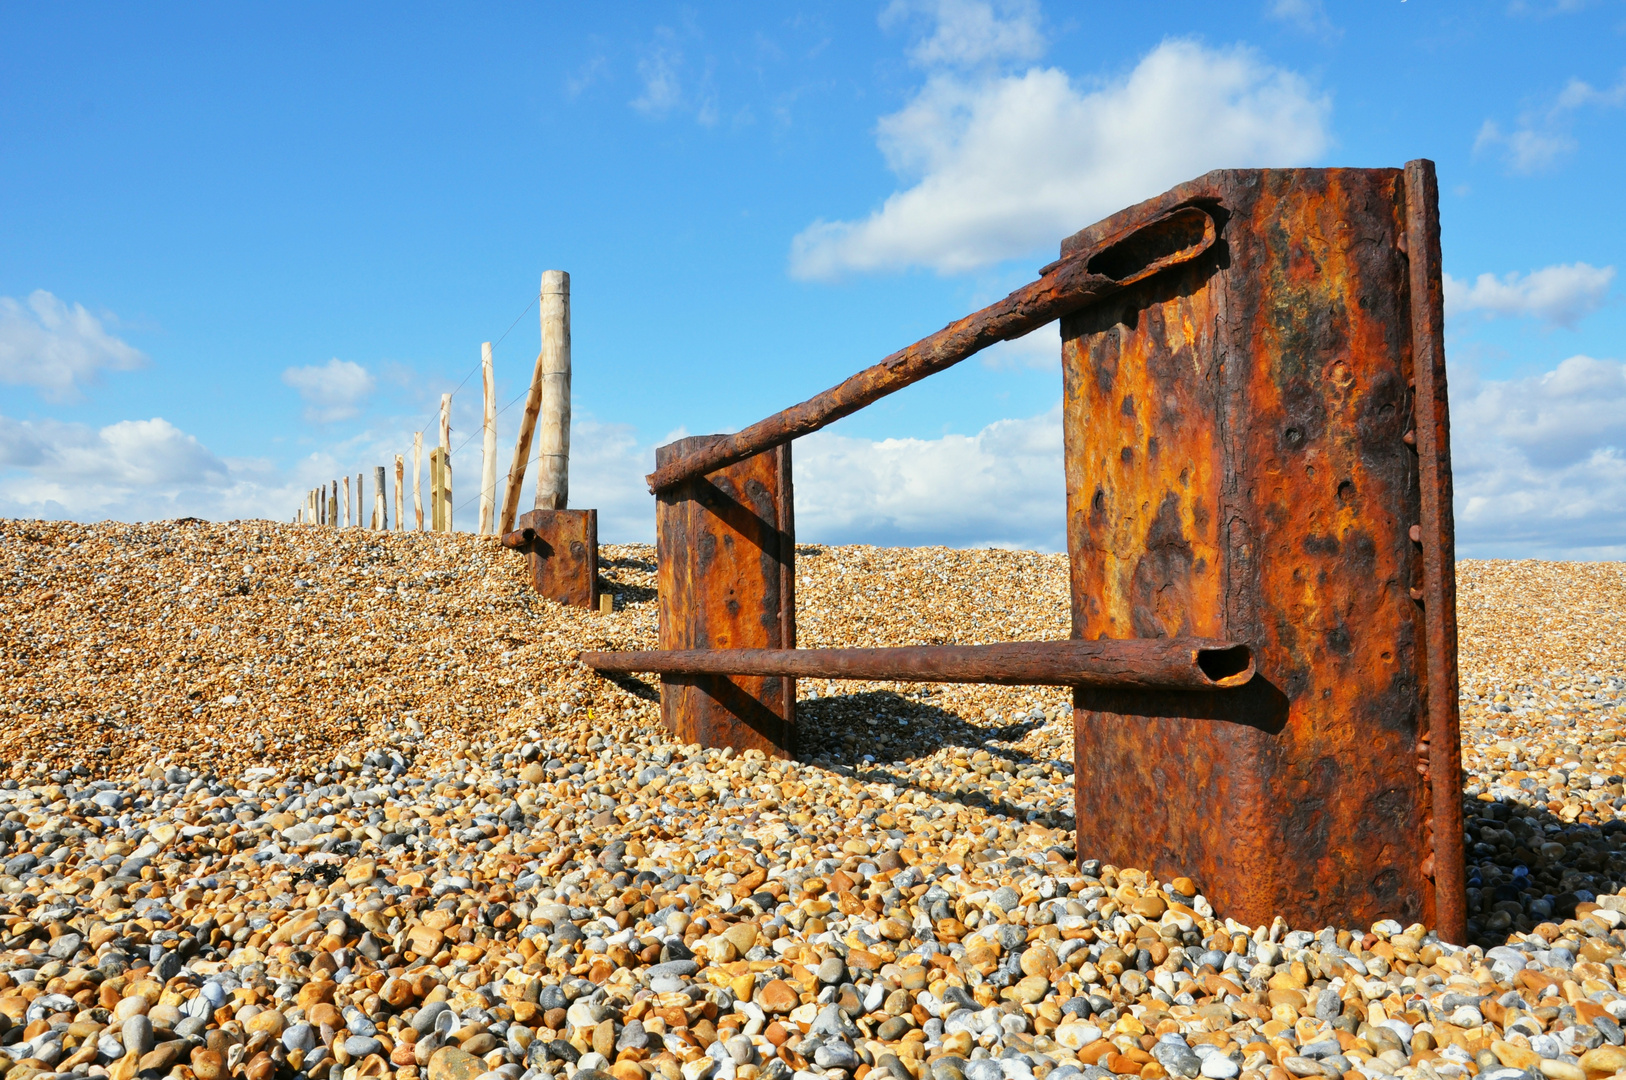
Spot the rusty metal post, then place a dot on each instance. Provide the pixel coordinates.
(561, 547)
(1437, 591)
(726, 551)
(1238, 467)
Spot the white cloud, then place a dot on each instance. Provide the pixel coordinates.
(131, 469)
(969, 32)
(55, 348)
(1010, 164)
(1542, 135)
(1003, 486)
(1540, 463)
(331, 391)
(1040, 349)
(1559, 295)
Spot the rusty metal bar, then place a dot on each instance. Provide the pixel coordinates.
(1439, 600)
(1131, 254)
(1148, 663)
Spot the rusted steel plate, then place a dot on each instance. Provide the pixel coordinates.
(1161, 663)
(562, 549)
(725, 549)
(1437, 532)
(1237, 469)
(1137, 248)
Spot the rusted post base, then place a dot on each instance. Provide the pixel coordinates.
(562, 549)
(726, 548)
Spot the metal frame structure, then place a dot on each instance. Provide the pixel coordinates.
(1258, 471)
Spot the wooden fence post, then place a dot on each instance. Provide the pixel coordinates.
(381, 501)
(333, 507)
(488, 444)
(439, 504)
(400, 502)
(347, 500)
(522, 444)
(446, 461)
(553, 453)
(417, 478)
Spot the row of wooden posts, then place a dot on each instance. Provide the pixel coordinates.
(548, 401)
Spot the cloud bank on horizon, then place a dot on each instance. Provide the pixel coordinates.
(1540, 468)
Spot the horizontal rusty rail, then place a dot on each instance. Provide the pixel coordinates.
(1083, 277)
(1140, 663)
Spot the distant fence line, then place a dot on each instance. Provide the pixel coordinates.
(546, 417)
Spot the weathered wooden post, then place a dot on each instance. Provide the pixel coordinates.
(561, 544)
(381, 501)
(439, 483)
(417, 479)
(400, 493)
(553, 451)
(527, 423)
(333, 506)
(347, 500)
(488, 442)
(443, 495)
(725, 548)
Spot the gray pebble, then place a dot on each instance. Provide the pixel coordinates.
(137, 1034)
(359, 1046)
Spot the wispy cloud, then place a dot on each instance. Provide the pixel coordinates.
(1309, 16)
(667, 85)
(1003, 165)
(970, 32)
(586, 74)
(1558, 295)
(331, 391)
(55, 348)
(1542, 136)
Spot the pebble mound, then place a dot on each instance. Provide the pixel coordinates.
(297, 803)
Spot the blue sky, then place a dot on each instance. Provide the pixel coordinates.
(246, 248)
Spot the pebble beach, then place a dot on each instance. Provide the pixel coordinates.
(313, 804)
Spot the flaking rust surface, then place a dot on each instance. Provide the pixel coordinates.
(726, 544)
(1236, 469)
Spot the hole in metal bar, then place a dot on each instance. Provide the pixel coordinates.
(1228, 667)
(1158, 242)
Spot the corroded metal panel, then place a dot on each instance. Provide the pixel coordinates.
(561, 547)
(1238, 467)
(725, 552)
